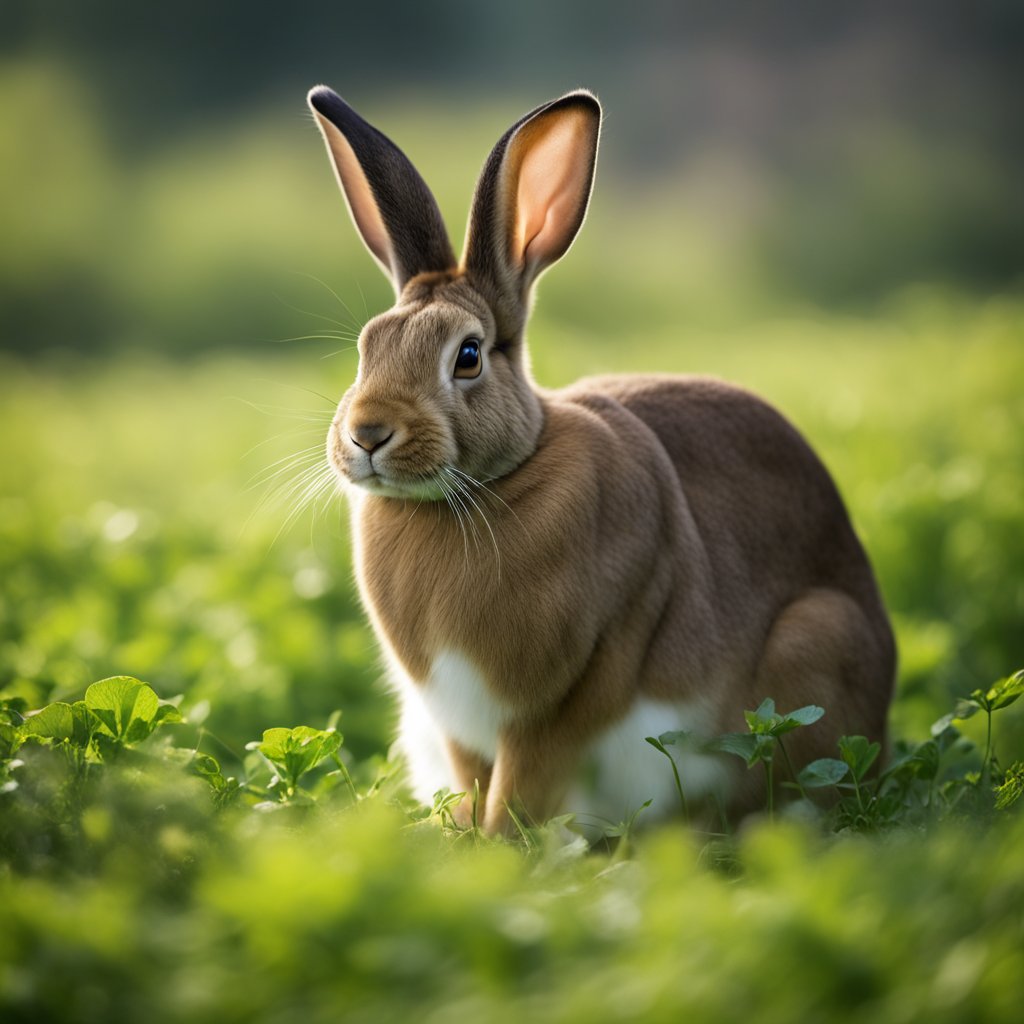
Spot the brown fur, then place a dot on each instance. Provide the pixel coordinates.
(660, 537)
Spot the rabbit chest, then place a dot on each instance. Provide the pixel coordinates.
(549, 585)
(470, 617)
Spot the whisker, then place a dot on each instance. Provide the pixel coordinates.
(325, 336)
(297, 461)
(457, 496)
(362, 296)
(446, 491)
(307, 312)
(284, 492)
(298, 387)
(494, 494)
(313, 490)
(464, 489)
(323, 284)
(281, 492)
(294, 432)
(284, 411)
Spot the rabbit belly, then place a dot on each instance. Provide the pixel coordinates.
(621, 771)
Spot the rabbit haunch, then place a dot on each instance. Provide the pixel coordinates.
(556, 574)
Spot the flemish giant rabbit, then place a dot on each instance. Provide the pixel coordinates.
(554, 575)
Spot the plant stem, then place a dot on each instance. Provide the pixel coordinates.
(789, 765)
(986, 767)
(345, 775)
(856, 789)
(679, 788)
(771, 789)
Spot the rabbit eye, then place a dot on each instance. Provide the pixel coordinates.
(468, 363)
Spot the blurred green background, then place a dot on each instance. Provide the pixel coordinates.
(821, 202)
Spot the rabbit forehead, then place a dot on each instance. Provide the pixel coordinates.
(409, 339)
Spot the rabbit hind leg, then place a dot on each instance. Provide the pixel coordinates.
(821, 649)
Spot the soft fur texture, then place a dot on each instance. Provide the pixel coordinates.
(550, 572)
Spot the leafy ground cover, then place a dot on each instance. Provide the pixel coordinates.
(155, 886)
(181, 849)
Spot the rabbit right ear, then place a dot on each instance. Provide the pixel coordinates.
(532, 197)
(391, 206)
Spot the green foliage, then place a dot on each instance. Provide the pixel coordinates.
(365, 903)
(1011, 789)
(116, 713)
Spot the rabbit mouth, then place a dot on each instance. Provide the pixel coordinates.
(386, 483)
(422, 489)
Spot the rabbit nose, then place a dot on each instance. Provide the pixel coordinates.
(370, 436)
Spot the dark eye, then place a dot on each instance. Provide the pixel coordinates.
(468, 363)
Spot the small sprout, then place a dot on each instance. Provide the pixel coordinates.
(858, 754)
(225, 789)
(999, 695)
(767, 727)
(660, 743)
(293, 752)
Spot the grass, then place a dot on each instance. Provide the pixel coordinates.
(132, 540)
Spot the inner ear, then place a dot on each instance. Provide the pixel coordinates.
(555, 159)
(358, 195)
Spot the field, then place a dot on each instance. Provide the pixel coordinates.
(200, 818)
(143, 533)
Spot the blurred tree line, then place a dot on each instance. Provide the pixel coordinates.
(161, 179)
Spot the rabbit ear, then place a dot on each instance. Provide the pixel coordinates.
(533, 193)
(392, 208)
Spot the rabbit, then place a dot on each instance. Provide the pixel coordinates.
(555, 575)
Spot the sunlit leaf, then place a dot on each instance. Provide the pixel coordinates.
(293, 752)
(127, 710)
(55, 721)
(1006, 691)
(121, 701)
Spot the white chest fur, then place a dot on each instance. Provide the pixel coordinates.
(462, 705)
(618, 772)
(455, 702)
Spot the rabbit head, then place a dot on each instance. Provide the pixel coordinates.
(444, 384)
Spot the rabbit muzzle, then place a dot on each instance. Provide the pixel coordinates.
(389, 449)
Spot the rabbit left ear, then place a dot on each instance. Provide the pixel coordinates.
(393, 210)
(533, 193)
